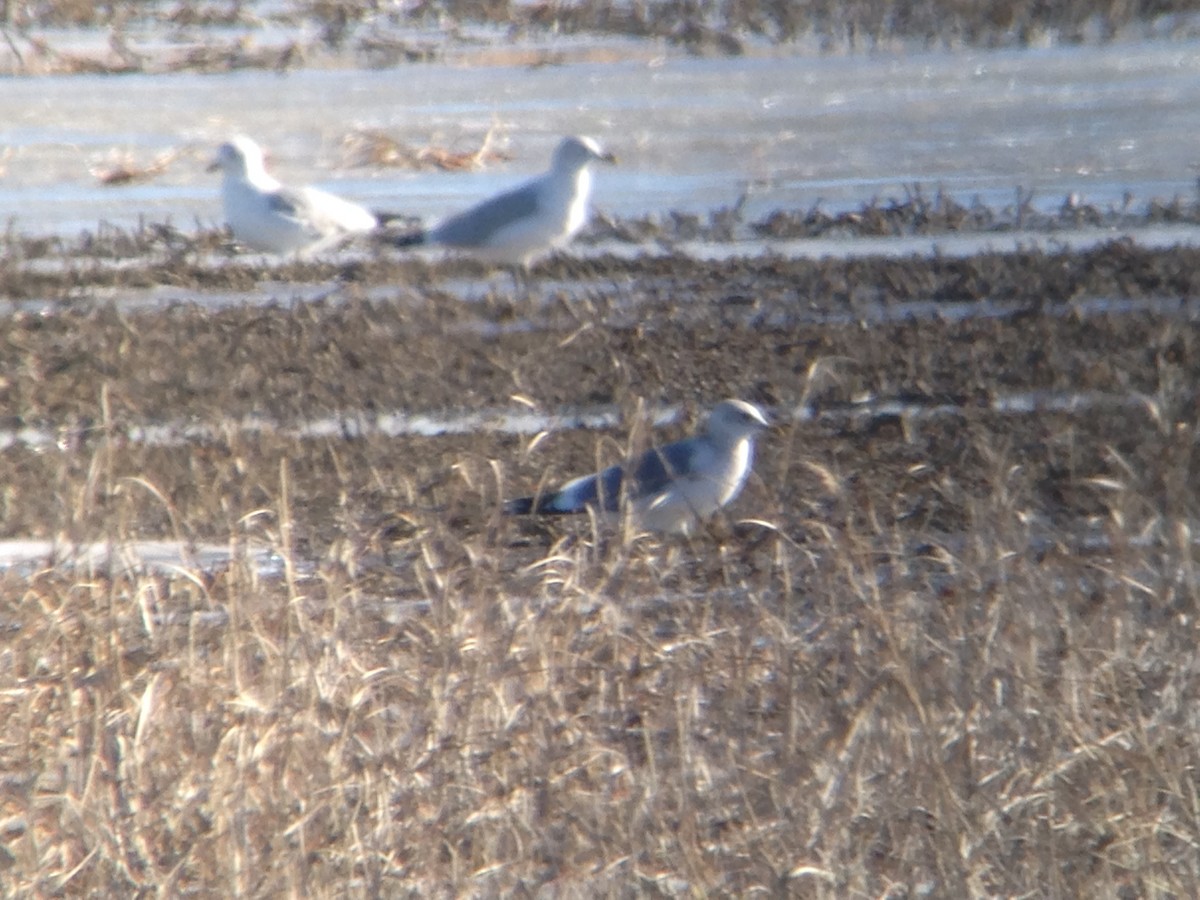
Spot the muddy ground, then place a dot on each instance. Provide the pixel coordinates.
(795, 336)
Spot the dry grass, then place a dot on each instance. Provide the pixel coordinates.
(953, 657)
(839, 706)
(377, 148)
(121, 168)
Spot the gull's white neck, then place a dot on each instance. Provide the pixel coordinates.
(256, 174)
(577, 186)
(741, 458)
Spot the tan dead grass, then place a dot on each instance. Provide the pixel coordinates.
(832, 708)
(377, 148)
(122, 168)
(954, 656)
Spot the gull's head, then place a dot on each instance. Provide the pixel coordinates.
(736, 419)
(573, 153)
(239, 156)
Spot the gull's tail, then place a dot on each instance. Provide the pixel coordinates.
(545, 505)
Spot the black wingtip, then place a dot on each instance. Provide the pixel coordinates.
(540, 506)
(522, 506)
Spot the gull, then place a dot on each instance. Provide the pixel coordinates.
(266, 215)
(672, 487)
(528, 221)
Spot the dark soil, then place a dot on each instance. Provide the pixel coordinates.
(668, 331)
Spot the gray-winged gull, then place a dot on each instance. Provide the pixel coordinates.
(265, 215)
(672, 487)
(530, 220)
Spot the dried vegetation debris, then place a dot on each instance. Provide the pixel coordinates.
(377, 36)
(917, 213)
(162, 253)
(374, 147)
(122, 168)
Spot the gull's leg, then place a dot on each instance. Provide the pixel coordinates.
(519, 272)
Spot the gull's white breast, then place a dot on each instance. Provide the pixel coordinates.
(716, 481)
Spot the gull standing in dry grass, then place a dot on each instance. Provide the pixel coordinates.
(265, 215)
(519, 225)
(672, 487)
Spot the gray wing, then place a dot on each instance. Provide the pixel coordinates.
(476, 226)
(659, 467)
(602, 491)
(652, 474)
(289, 202)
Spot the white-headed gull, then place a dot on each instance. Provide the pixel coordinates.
(519, 225)
(265, 215)
(672, 487)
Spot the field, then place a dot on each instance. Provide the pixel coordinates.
(943, 645)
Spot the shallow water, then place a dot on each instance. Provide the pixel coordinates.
(692, 134)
